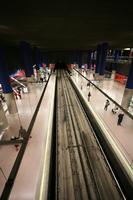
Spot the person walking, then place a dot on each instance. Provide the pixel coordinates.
(106, 105)
(120, 118)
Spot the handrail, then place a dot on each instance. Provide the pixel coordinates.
(10, 181)
(3, 173)
(119, 162)
(123, 109)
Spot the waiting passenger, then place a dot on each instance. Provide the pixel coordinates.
(114, 110)
(2, 98)
(89, 95)
(19, 92)
(88, 84)
(120, 118)
(106, 105)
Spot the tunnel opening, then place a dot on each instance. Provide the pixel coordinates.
(60, 65)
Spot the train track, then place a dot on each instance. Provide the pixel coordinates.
(82, 171)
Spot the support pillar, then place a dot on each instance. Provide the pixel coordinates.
(103, 60)
(89, 59)
(92, 59)
(3, 119)
(11, 103)
(116, 59)
(75, 58)
(128, 92)
(127, 96)
(6, 86)
(79, 59)
(98, 60)
(26, 58)
(116, 55)
(114, 65)
(37, 56)
(113, 74)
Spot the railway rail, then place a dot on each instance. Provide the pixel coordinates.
(82, 170)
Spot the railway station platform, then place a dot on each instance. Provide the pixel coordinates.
(27, 179)
(32, 157)
(122, 135)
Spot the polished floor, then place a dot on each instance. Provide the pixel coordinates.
(26, 107)
(27, 179)
(123, 134)
(31, 169)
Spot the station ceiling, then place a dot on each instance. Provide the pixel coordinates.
(67, 25)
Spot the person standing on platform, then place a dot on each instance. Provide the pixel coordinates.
(106, 105)
(114, 110)
(2, 98)
(41, 78)
(81, 86)
(15, 94)
(93, 76)
(89, 95)
(19, 92)
(88, 84)
(120, 118)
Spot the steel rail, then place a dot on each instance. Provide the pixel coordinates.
(85, 177)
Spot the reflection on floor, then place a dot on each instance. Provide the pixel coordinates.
(122, 134)
(26, 107)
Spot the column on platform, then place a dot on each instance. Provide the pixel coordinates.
(6, 86)
(89, 59)
(103, 60)
(46, 59)
(72, 59)
(113, 73)
(3, 119)
(76, 59)
(114, 66)
(37, 57)
(128, 92)
(79, 59)
(98, 60)
(26, 58)
(92, 59)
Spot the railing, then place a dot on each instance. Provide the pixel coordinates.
(10, 180)
(127, 115)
